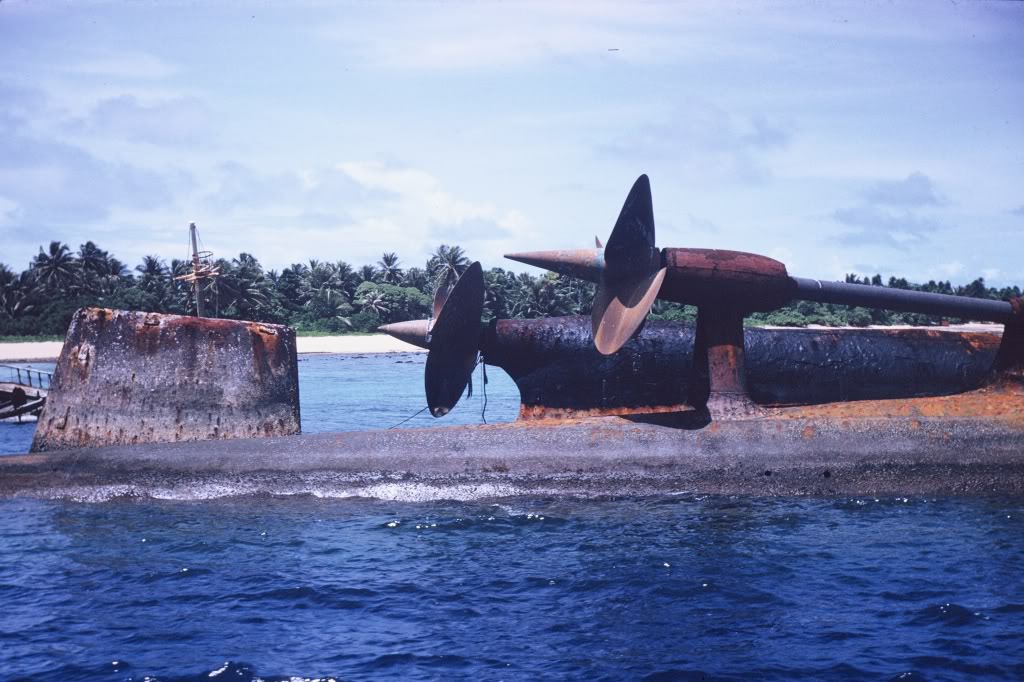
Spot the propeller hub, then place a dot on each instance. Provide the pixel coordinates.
(587, 264)
(412, 331)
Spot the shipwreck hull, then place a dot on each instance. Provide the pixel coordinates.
(561, 375)
(967, 444)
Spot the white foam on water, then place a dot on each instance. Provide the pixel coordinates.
(395, 491)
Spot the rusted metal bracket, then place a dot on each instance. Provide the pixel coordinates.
(1010, 357)
(718, 381)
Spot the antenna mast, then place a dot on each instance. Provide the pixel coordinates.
(202, 270)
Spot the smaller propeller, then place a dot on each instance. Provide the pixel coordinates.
(452, 336)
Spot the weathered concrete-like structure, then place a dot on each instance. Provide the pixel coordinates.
(129, 377)
(966, 444)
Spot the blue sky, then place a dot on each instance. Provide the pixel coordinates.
(864, 137)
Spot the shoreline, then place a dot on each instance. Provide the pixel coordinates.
(49, 351)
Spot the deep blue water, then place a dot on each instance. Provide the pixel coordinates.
(673, 587)
(664, 588)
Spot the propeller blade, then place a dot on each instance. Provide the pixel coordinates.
(454, 340)
(440, 296)
(633, 234)
(632, 275)
(620, 308)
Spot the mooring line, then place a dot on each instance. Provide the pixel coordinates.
(483, 411)
(408, 418)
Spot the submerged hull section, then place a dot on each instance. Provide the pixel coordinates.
(560, 374)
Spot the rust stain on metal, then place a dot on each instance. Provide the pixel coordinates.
(1010, 359)
(1003, 400)
(534, 413)
(716, 277)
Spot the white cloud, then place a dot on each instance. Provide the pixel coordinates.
(8, 210)
(175, 121)
(472, 36)
(123, 65)
(704, 143)
(951, 269)
(421, 202)
(991, 273)
(917, 189)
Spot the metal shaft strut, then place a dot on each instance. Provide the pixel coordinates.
(902, 300)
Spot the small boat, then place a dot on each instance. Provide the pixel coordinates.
(22, 393)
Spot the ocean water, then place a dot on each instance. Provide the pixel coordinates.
(676, 587)
(668, 588)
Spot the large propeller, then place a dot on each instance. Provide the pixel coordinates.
(628, 270)
(632, 275)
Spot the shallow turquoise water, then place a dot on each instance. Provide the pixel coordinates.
(354, 392)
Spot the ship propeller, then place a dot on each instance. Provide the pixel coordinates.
(632, 273)
(452, 335)
(454, 342)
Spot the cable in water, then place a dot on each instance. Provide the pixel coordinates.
(408, 418)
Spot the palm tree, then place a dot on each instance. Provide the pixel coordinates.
(348, 279)
(541, 297)
(375, 300)
(290, 285)
(153, 273)
(242, 290)
(322, 281)
(416, 278)
(390, 273)
(92, 265)
(15, 293)
(447, 264)
(368, 273)
(154, 280)
(55, 269)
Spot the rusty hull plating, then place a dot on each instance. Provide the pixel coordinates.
(968, 443)
(561, 375)
(131, 377)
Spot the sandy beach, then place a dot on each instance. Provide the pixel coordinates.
(48, 351)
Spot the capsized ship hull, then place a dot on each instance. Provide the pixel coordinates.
(560, 374)
(966, 444)
(967, 437)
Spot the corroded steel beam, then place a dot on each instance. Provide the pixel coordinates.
(131, 377)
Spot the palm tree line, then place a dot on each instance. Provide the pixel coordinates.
(336, 297)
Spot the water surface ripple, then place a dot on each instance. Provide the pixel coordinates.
(662, 589)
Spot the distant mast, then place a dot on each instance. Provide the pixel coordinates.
(202, 270)
(200, 304)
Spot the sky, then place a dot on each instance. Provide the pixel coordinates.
(869, 137)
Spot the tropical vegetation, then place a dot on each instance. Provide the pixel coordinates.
(323, 296)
